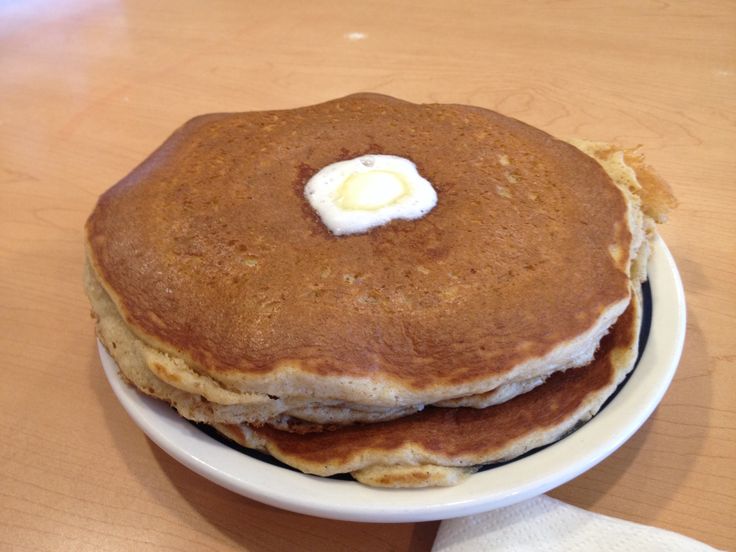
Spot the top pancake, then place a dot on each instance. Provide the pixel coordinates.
(212, 254)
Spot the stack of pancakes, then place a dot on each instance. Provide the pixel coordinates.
(408, 355)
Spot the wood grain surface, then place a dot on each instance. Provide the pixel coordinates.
(87, 89)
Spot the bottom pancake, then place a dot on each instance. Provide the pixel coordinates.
(441, 446)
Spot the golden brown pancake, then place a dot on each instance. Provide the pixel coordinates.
(439, 446)
(215, 262)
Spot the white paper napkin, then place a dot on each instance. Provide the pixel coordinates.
(544, 523)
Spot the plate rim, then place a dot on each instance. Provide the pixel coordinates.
(502, 486)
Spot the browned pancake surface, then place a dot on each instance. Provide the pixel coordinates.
(211, 250)
(455, 433)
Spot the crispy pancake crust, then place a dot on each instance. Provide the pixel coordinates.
(212, 255)
(427, 448)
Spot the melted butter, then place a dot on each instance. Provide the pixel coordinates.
(355, 195)
(371, 190)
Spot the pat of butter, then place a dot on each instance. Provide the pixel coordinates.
(371, 190)
(353, 196)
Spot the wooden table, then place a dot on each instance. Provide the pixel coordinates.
(87, 89)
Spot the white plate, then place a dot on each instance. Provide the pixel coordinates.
(500, 486)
